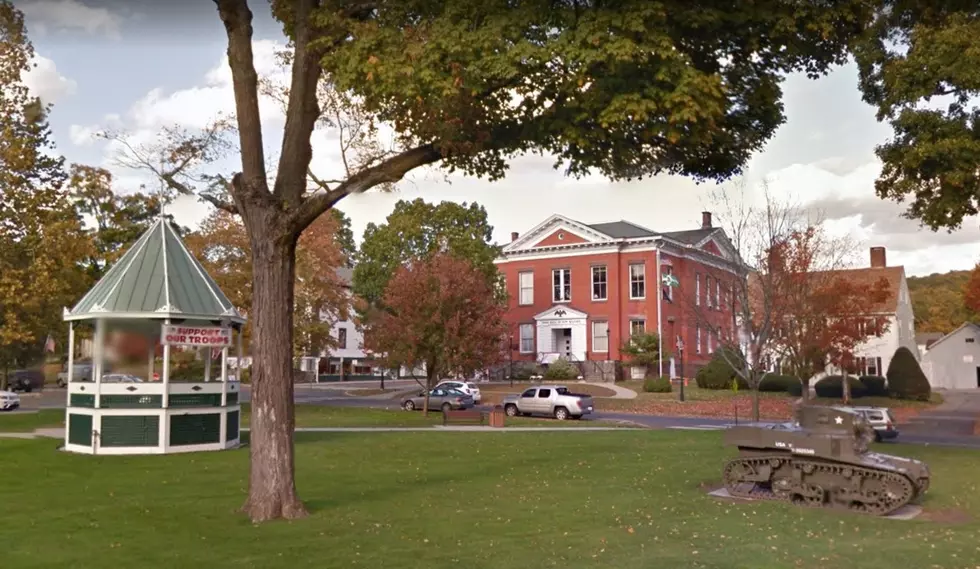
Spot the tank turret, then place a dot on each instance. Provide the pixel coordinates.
(821, 460)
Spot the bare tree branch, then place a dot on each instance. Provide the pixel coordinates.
(387, 172)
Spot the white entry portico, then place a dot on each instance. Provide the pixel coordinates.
(560, 332)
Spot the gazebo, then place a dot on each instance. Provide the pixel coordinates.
(159, 292)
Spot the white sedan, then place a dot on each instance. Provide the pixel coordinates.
(9, 401)
(467, 387)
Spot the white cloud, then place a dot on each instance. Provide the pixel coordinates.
(823, 157)
(45, 82)
(45, 16)
(82, 135)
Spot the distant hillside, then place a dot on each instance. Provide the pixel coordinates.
(937, 300)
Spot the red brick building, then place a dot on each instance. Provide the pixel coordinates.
(578, 290)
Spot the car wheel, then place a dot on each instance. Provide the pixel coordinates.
(561, 413)
(409, 405)
(511, 410)
(446, 407)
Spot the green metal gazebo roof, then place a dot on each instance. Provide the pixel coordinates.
(156, 278)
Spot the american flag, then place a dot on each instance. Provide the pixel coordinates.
(49, 344)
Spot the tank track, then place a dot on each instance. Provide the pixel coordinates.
(819, 484)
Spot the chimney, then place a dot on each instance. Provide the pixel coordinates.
(513, 236)
(705, 220)
(878, 258)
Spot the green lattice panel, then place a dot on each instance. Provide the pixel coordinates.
(80, 429)
(231, 426)
(195, 400)
(195, 429)
(130, 431)
(81, 400)
(232, 399)
(131, 401)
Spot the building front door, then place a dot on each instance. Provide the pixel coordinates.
(565, 343)
(978, 376)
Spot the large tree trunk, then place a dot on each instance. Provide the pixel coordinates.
(272, 488)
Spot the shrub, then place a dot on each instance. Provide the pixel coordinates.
(718, 373)
(795, 388)
(905, 377)
(832, 387)
(524, 370)
(776, 383)
(561, 369)
(874, 385)
(657, 385)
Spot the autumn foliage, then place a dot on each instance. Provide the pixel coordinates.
(439, 312)
(821, 313)
(222, 246)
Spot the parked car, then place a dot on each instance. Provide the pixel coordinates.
(880, 419)
(82, 371)
(439, 398)
(120, 378)
(9, 401)
(26, 380)
(552, 400)
(467, 387)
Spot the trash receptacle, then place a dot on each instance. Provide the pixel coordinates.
(497, 416)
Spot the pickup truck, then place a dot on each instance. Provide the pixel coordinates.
(553, 400)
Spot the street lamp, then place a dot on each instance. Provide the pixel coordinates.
(680, 364)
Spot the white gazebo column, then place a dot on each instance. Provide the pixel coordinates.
(241, 355)
(224, 376)
(98, 357)
(207, 364)
(71, 370)
(165, 400)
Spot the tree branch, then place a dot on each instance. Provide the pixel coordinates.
(302, 110)
(238, 25)
(389, 171)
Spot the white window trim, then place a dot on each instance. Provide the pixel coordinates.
(643, 279)
(594, 349)
(563, 284)
(520, 338)
(592, 277)
(697, 339)
(707, 291)
(711, 344)
(632, 320)
(520, 288)
(697, 289)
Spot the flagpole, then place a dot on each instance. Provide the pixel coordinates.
(660, 309)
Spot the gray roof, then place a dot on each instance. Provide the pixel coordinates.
(623, 230)
(927, 337)
(690, 236)
(156, 278)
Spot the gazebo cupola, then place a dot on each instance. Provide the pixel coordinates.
(179, 397)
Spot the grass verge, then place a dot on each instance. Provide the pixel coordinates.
(628, 500)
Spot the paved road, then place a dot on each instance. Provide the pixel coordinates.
(328, 394)
(324, 397)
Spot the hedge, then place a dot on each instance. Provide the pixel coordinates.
(832, 386)
(776, 383)
(874, 385)
(657, 385)
(718, 373)
(561, 369)
(905, 377)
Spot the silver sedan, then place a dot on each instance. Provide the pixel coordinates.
(439, 398)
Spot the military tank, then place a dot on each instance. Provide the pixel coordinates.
(823, 461)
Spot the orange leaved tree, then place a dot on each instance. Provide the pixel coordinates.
(439, 312)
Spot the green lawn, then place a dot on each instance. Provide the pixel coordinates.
(307, 416)
(20, 422)
(625, 500)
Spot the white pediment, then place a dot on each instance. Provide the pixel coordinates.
(554, 224)
(561, 312)
(725, 247)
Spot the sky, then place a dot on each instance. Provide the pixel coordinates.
(138, 66)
